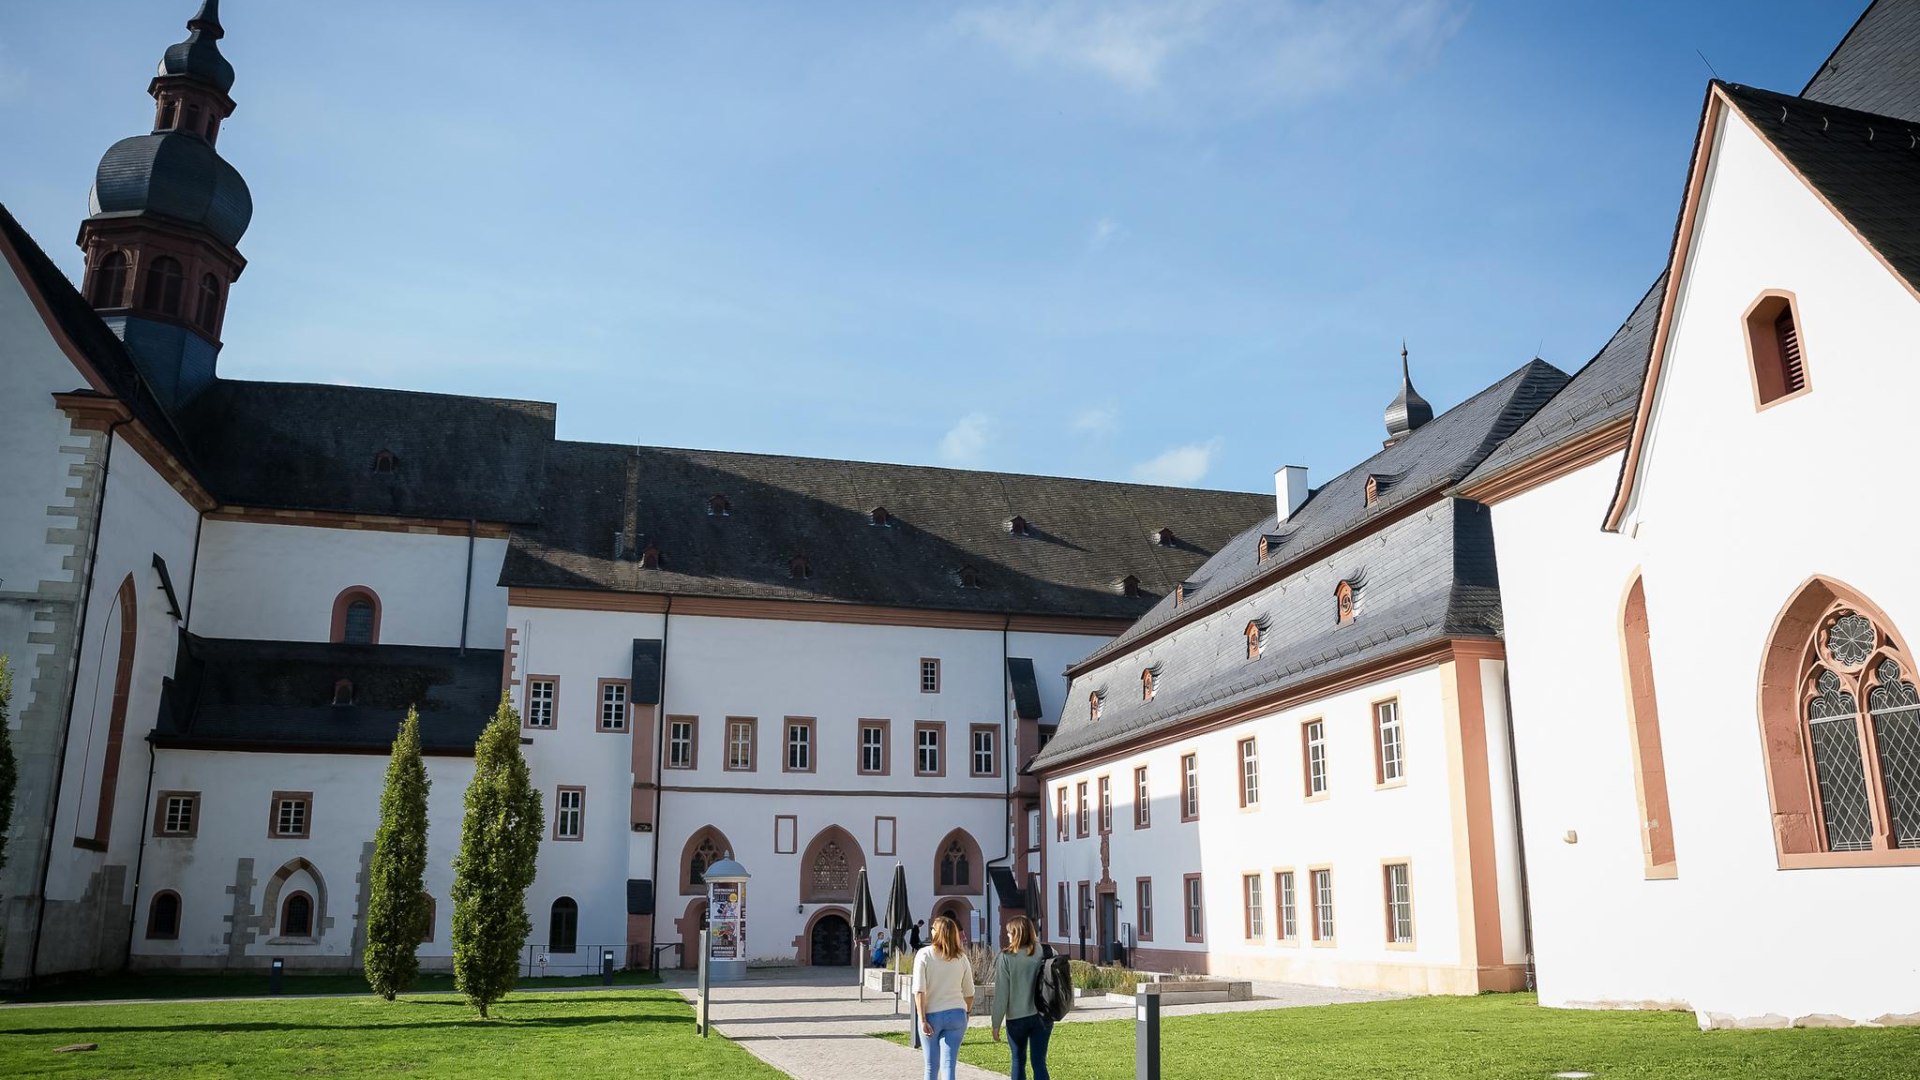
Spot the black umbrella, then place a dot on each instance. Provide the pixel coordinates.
(863, 923)
(898, 921)
(1036, 904)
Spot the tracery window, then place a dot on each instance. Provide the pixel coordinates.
(705, 854)
(830, 870)
(954, 871)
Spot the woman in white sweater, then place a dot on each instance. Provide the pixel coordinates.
(942, 996)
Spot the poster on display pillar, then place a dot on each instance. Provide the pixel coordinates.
(727, 919)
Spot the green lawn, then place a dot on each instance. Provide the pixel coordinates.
(159, 986)
(584, 1035)
(1491, 1037)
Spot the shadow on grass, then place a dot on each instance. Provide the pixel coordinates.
(496, 1021)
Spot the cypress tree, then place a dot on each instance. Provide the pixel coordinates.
(499, 841)
(397, 910)
(9, 772)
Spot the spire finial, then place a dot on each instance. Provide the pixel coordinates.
(1405, 377)
(1409, 410)
(207, 20)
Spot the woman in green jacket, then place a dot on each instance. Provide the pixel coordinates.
(1014, 972)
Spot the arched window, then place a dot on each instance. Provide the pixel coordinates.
(879, 516)
(1649, 760)
(1253, 641)
(1343, 602)
(704, 848)
(1146, 685)
(169, 116)
(163, 916)
(831, 863)
(969, 578)
(798, 568)
(957, 865)
(209, 301)
(356, 616)
(343, 692)
(1773, 348)
(954, 871)
(296, 916)
(563, 926)
(193, 119)
(1093, 707)
(1842, 726)
(164, 283)
(110, 281)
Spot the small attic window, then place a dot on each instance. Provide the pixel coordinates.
(1253, 641)
(343, 692)
(1165, 538)
(1019, 527)
(1343, 601)
(879, 516)
(798, 568)
(1146, 685)
(1373, 490)
(1262, 551)
(650, 557)
(1179, 593)
(969, 577)
(385, 462)
(719, 506)
(1130, 586)
(1773, 346)
(1093, 707)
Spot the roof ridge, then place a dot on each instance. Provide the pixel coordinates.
(355, 387)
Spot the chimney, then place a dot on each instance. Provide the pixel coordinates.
(1289, 489)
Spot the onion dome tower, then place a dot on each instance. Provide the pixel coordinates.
(1409, 410)
(167, 212)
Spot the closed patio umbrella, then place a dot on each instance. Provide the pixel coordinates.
(898, 920)
(1036, 904)
(863, 923)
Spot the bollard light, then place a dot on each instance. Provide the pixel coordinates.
(273, 979)
(1146, 1034)
(606, 967)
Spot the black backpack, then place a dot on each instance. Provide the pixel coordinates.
(1053, 985)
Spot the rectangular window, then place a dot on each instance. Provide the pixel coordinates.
(873, 747)
(1323, 905)
(1106, 804)
(178, 814)
(1196, 911)
(799, 744)
(1060, 813)
(292, 815)
(569, 813)
(1249, 773)
(741, 735)
(1143, 908)
(1388, 764)
(543, 693)
(1190, 787)
(683, 734)
(1256, 907)
(613, 704)
(1399, 882)
(986, 762)
(1142, 804)
(929, 675)
(1313, 738)
(928, 759)
(1289, 905)
(1062, 922)
(1081, 823)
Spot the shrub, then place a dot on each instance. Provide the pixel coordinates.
(1112, 980)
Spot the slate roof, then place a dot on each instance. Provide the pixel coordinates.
(1876, 67)
(279, 694)
(1867, 165)
(1607, 389)
(304, 446)
(1433, 458)
(1086, 535)
(172, 175)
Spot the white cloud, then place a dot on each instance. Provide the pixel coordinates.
(1097, 420)
(1181, 466)
(1267, 50)
(966, 440)
(1104, 232)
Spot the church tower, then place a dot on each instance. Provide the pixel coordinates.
(167, 212)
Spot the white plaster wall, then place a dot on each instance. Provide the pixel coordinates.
(278, 583)
(1354, 828)
(144, 516)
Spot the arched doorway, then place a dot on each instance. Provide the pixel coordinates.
(961, 913)
(830, 943)
(690, 925)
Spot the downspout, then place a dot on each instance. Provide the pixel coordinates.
(1519, 828)
(153, 754)
(466, 597)
(1006, 770)
(659, 778)
(73, 688)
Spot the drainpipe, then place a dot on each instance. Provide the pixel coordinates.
(73, 688)
(466, 598)
(1006, 774)
(659, 778)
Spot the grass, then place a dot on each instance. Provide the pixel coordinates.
(1491, 1037)
(588, 1035)
(176, 984)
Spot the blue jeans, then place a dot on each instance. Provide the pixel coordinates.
(949, 1026)
(1027, 1036)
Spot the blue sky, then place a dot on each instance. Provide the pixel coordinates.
(1175, 241)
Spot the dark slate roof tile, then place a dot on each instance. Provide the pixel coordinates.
(1876, 67)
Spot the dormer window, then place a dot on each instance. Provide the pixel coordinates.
(719, 506)
(343, 692)
(969, 578)
(1343, 601)
(1179, 594)
(879, 516)
(1093, 707)
(1373, 490)
(1019, 527)
(1146, 685)
(650, 557)
(798, 568)
(384, 461)
(1130, 586)
(1266, 544)
(1253, 641)
(1773, 348)
(1165, 538)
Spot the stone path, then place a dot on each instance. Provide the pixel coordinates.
(811, 1024)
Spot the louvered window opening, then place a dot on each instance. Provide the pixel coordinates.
(1787, 336)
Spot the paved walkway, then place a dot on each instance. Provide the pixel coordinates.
(811, 1024)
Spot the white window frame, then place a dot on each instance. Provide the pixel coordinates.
(541, 697)
(613, 706)
(740, 739)
(1316, 757)
(291, 812)
(1323, 928)
(1142, 799)
(926, 751)
(929, 674)
(1399, 903)
(873, 749)
(569, 813)
(1289, 906)
(178, 817)
(1190, 781)
(1392, 741)
(800, 739)
(1249, 772)
(1255, 899)
(989, 752)
(680, 744)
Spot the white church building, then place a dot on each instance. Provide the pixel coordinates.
(1593, 683)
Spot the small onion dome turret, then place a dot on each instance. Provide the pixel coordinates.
(1409, 410)
(175, 176)
(199, 55)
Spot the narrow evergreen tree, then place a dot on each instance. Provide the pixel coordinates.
(9, 773)
(397, 910)
(499, 841)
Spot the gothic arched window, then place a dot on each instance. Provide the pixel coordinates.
(829, 870)
(954, 871)
(209, 301)
(164, 283)
(110, 281)
(1844, 746)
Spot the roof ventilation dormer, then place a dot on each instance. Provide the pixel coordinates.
(879, 516)
(798, 568)
(1408, 411)
(719, 506)
(1165, 538)
(1269, 546)
(1019, 527)
(385, 462)
(1129, 586)
(969, 577)
(650, 557)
